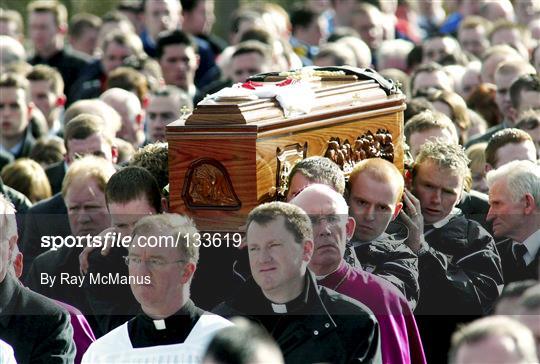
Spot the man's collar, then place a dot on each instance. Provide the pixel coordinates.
(439, 224)
(532, 243)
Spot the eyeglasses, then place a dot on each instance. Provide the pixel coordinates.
(151, 264)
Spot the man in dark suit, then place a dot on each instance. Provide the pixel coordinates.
(55, 273)
(85, 134)
(38, 330)
(515, 214)
(15, 129)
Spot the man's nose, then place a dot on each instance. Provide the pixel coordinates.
(370, 213)
(436, 196)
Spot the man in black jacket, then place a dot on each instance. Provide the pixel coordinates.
(374, 198)
(515, 213)
(309, 323)
(459, 267)
(37, 329)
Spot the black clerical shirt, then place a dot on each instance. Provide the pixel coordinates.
(143, 330)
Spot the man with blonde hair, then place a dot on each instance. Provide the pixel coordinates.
(55, 273)
(375, 199)
(514, 196)
(171, 328)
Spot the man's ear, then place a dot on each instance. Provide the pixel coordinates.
(350, 227)
(30, 109)
(398, 208)
(164, 204)
(60, 100)
(530, 204)
(512, 114)
(188, 272)
(308, 250)
(114, 154)
(139, 119)
(62, 29)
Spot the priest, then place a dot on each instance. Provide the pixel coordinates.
(332, 228)
(311, 324)
(161, 260)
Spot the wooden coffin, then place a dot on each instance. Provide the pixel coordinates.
(225, 158)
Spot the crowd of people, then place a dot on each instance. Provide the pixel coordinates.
(436, 264)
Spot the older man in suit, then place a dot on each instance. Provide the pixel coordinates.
(514, 199)
(35, 327)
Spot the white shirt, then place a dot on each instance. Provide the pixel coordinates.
(532, 243)
(115, 347)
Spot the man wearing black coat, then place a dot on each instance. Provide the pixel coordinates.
(309, 323)
(515, 214)
(36, 328)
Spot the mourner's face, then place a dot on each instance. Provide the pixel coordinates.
(515, 152)
(87, 211)
(124, 216)
(179, 63)
(373, 204)
(166, 268)
(14, 112)
(331, 230)
(43, 30)
(493, 349)
(7, 244)
(298, 183)
(505, 214)
(439, 190)
(160, 15)
(276, 260)
(95, 144)
(162, 110)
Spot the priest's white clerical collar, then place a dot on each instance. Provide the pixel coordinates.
(279, 308)
(159, 324)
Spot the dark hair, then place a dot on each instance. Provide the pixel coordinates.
(189, 5)
(320, 170)
(79, 23)
(154, 158)
(131, 183)
(502, 138)
(173, 37)
(415, 106)
(239, 344)
(42, 72)
(302, 16)
(259, 34)
(296, 221)
(130, 80)
(252, 46)
(516, 289)
(528, 82)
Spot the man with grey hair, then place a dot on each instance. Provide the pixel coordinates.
(514, 197)
(129, 107)
(36, 328)
(494, 339)
(170, 328)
